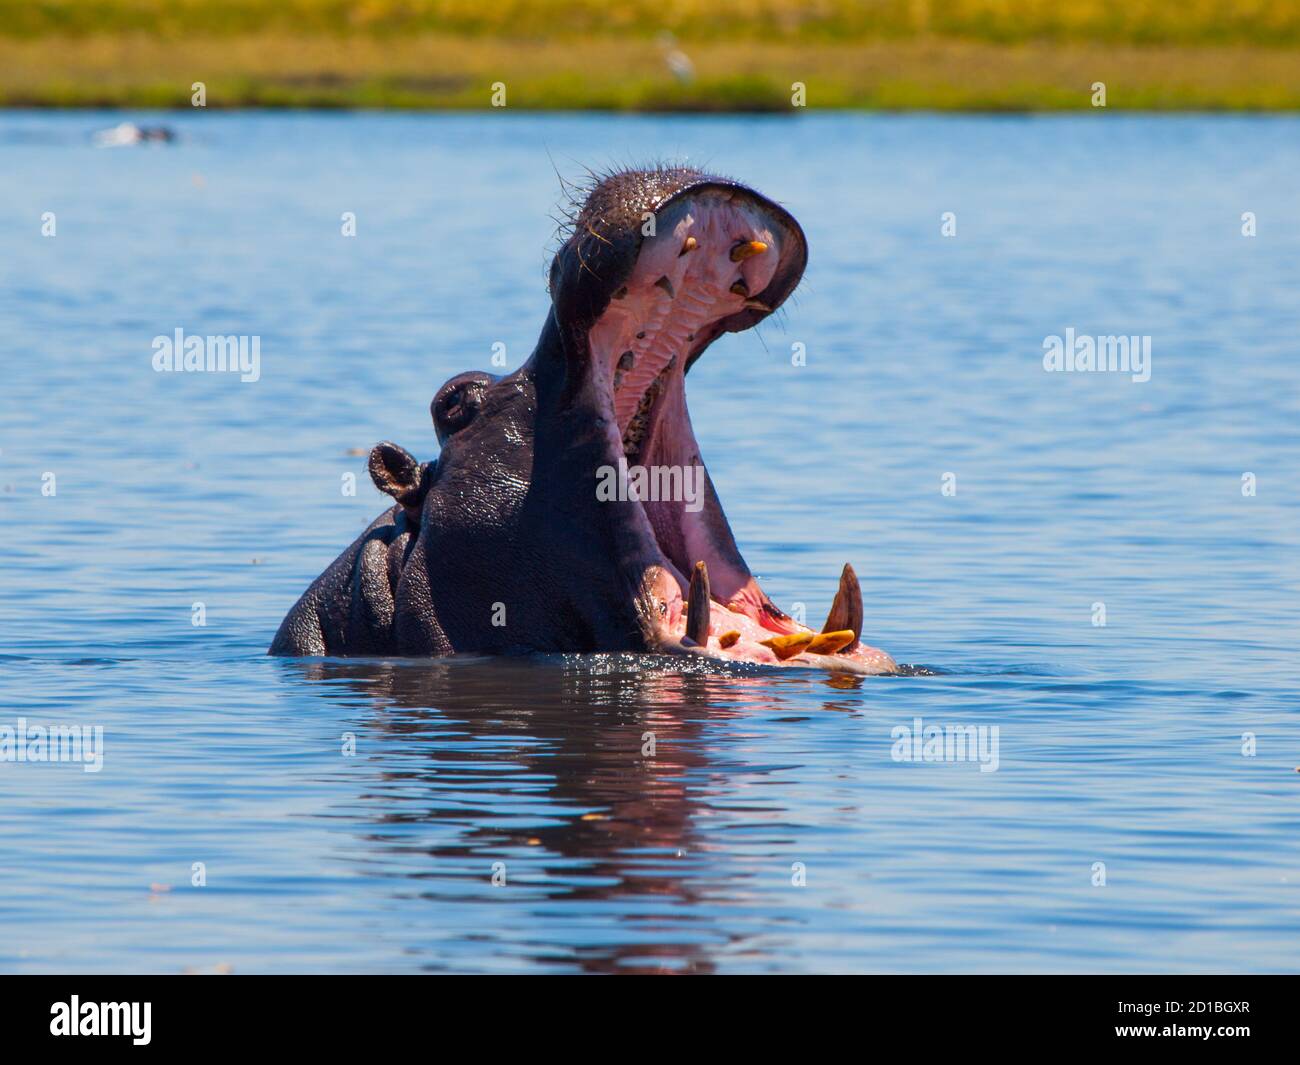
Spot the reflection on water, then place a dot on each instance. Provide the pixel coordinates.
(607, 750)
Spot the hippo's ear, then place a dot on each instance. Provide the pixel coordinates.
(395, 471)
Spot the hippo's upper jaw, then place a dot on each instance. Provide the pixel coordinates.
(570, 509)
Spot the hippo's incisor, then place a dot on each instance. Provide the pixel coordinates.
(504, 544)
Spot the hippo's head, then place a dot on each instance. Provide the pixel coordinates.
(569, 509)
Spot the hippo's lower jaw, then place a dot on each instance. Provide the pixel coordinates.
(731, 633)
(570, 510)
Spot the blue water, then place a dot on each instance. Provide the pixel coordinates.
(1119, 743)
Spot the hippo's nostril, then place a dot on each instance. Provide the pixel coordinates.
(457, 403)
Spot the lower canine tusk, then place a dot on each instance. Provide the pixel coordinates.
(697, 610)
(846, 611)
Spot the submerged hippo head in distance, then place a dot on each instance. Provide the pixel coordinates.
(569, 509)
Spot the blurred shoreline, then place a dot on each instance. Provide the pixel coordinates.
(654, 55)
(448, 73)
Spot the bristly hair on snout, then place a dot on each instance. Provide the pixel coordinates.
(583, 215)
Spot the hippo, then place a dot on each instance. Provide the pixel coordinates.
(569, 510)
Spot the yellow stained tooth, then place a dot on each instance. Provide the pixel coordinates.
(788, 646)
(740, 288)
(728, 639)
(747, 249)
(690, 245)
(827, 643)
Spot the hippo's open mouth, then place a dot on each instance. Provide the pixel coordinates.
(719, 256)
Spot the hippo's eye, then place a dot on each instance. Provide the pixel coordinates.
(458, 402)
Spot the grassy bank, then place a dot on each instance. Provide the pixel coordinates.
(721, 55)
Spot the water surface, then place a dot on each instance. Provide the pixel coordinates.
(771, 829)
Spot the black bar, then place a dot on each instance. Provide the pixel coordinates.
(334, 1014)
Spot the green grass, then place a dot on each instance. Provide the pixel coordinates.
(1217, 22)
(962, 54)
